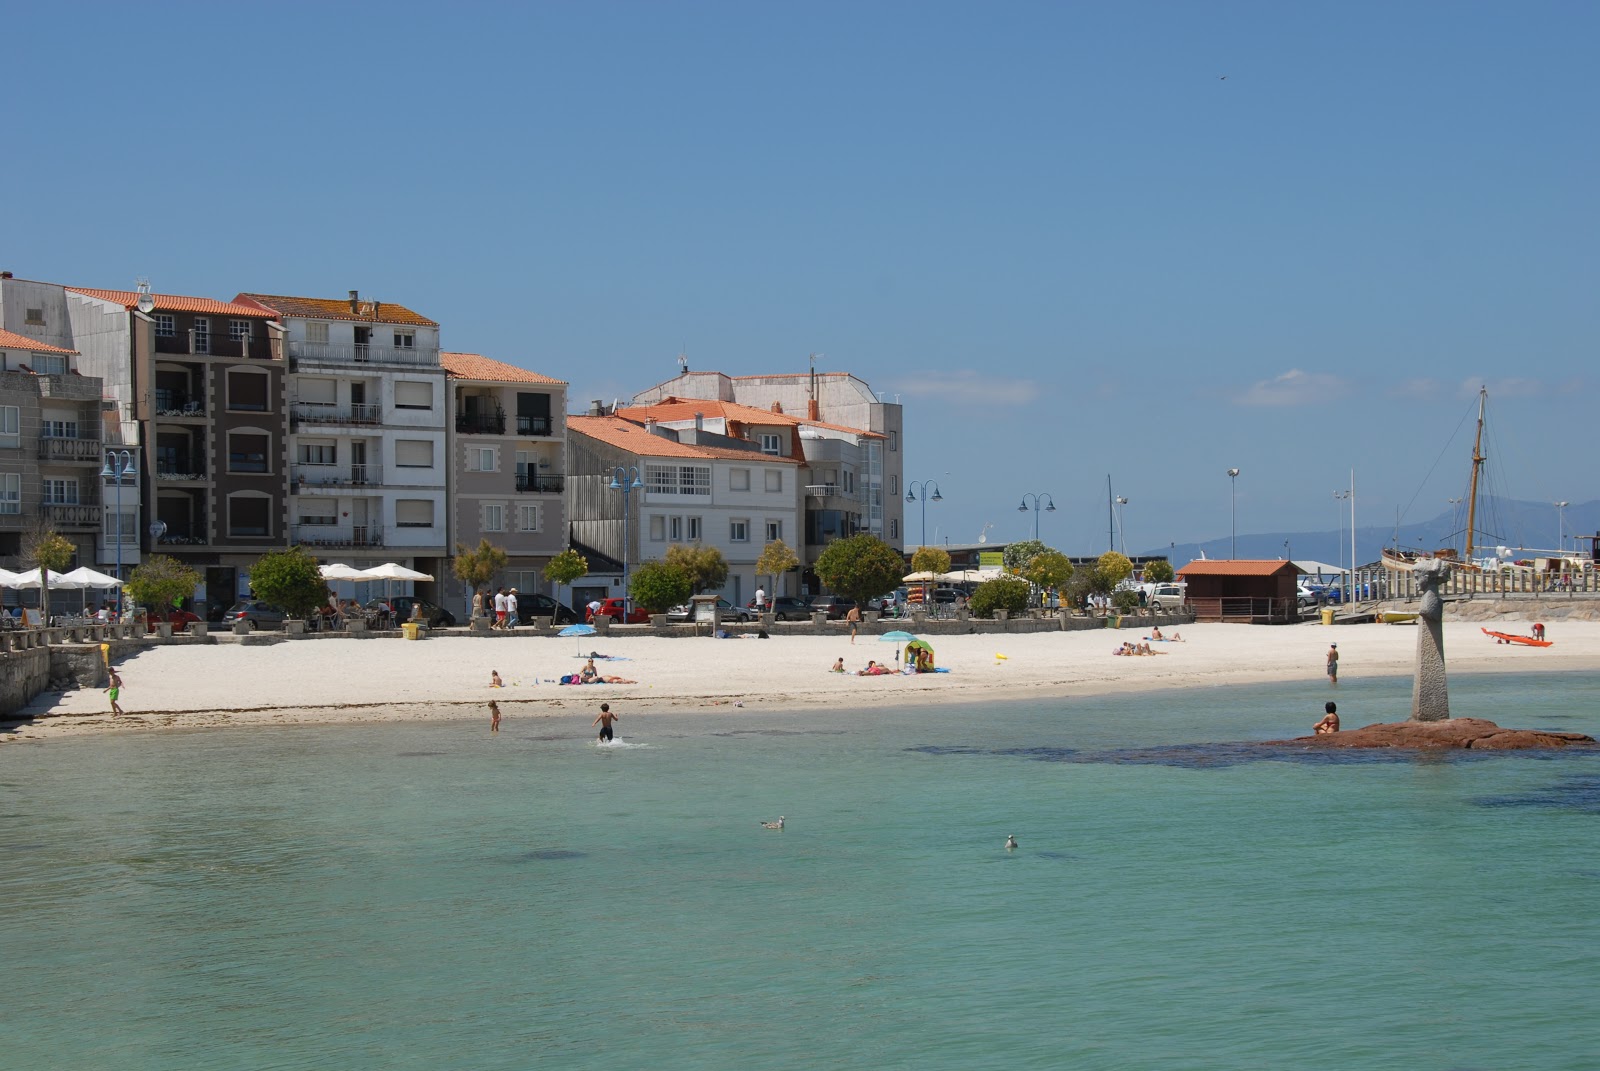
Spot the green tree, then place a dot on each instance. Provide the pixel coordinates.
(705, 566)
(1048, 569)
(1114, 566)
(659, 585)
(475, 568)
(862, 567)
(566, 567)
(161, 581)
(1018, 554)
(1158, 572)
(776, 559)
(930, 560)
(289, 578)
(48, 551)
(1002, 593)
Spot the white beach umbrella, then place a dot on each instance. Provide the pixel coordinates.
(392, 571)
(919, 577)
(85, 577)
(30, 579)
(338, 571)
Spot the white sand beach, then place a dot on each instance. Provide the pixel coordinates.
(447, 676)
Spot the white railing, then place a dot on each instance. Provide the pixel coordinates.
(363, 353)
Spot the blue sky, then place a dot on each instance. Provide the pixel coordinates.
(1057, 233)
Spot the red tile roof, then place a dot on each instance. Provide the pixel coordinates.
(382, 312)
(626, 435)
(10, 340)
(477, 366)
(129, 299)
(672, 408)
(1209, 567)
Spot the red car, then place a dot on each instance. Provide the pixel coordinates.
(179, 619)
(617, 611)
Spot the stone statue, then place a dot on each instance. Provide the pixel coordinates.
(1430, 695)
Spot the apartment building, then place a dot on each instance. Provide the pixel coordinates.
(367, 408)
(696, 486)
(508, 465)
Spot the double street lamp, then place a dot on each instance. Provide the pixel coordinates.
(625, 479)
(1561, 526)
(1039, 498)
(1233, 480)
(912, 490)
(119, 464)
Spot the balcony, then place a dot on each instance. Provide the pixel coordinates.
(56, 449)
(481, 424)
(333, 535)
(363, 353)
(364, 414)
(179, 470)
(534, 483)
(309, 479)
(189, 344)
(176, 404)
(73, 515)
(533, 425)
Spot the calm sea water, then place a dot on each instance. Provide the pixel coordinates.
(429, 896)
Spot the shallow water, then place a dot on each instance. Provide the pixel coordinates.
(431, 896)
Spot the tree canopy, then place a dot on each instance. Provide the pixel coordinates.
(705, 566)
(1116, 567)
(566, 567)
(1017, 554)
(776, 559)
(1158, 571)
(660, 585)
(930, 560)
(290, 579)
(161, 581)
(862, 567)
(475, 568)
(1048, 569)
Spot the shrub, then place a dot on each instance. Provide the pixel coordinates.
(161, 581)
(657, 586)
(1001, 593)
(289, 578)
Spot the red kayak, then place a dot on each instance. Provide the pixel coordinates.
(1526, 641)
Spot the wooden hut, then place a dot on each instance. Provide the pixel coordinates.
(1248, 592)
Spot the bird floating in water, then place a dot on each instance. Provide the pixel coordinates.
(1011, 842)
(778, 825)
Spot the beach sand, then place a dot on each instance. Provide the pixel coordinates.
(447, 676)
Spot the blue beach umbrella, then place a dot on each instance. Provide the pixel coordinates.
(896, 636)
(577, 630)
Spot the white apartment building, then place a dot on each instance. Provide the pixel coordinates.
(368, 417)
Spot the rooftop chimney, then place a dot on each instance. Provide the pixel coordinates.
(355, 301)
(699, 422)
(813, 412)
(597, 408)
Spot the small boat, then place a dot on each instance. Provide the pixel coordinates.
(1397, 617)
(1526, 641)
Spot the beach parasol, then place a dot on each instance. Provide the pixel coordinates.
(896, 636)
(83, 578)
(390, 571)
(29, 578)
(578, 630)
(920, 577)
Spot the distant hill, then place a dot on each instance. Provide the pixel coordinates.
(1501, 522)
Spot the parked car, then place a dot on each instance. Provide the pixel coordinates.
(260, 614)
(726, 610)
(1309, 594)
(179, 619)
(789, 608)
(535, 605)
(432, 616)
(1169, 596)
(835, 606)
(616, 609)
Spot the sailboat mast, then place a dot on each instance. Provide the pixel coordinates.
(1477, 466)
(1111, 518)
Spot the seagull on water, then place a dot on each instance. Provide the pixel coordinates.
(778, 825)
(1011, 842)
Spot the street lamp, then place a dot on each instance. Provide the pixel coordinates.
(1233, 481)
(1039, 499)
(1122, 528)
(1561, 526)
(911, 496)
(119, 464)
(625, 479)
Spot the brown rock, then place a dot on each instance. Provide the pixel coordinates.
(1453, 732)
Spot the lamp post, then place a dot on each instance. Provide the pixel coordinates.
(912, 490)
(625, 479)
(1039, 499)
(1340, 496)
(1122, 527)
(119, 464)
(1233, 481)
(1561, 526)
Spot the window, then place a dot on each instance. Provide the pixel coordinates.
(238, 330)
(411, 395)
(894, 528)
(59, 429)
(675, 529)
(119, 527)
(202, 335)
(318, 392)
(10, 425)
(774, 479)
(894, 441)
(894, 485)
(678, 479)
(61, 492)
(35, 317)
(483, 459)
(694, 529)
(658, 529)
(405, 340)
(166, 325)
(774, 530)
(247, 392)
(10, 493)
(248, 453)
(319, 512)
(770, 443)
(49, 364)
(528, 518)
(738, 479)
(413, 513)
(739, 531)
(414, 454)
(325, 452)
(316, 332)
(249, 515)
(493, 518)
(849, 482)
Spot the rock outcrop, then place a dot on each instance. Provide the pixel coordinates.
(1476, 733)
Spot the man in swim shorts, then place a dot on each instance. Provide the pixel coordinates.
(604, 720)
(114, 691)
(1333, 663)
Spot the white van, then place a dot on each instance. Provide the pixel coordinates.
(1170, 596)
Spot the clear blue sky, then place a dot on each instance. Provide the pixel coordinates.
(1057, 232)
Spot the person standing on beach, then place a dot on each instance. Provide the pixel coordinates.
(511, 608)
(114, 690)
(477, 605)
(499, 609)
(761, 600)
(1333, 663)
(494, 716)
(854, 617)
(604, 720)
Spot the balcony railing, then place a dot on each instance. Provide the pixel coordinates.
(177, 403)
(314, 477)
(481, 424)
(362, 353)
(362, 414)
(333, 535)
(79, 514)
(539, 484)
(54, 449)
(178, 469)
(192, 345)
(533, 425)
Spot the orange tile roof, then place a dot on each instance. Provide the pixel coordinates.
(129, 299)
(672, 408)
(10, 340)
(477, 366)
(382, 312)
(626, 435)
(1210, 567)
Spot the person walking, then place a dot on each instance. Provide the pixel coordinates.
(499, 609)
(114, 689)
(1333, 663)
(494, 716)
(511, 608)
(761, 600)
(477, 605)
(854, 617)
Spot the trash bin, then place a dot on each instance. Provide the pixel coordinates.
(1327, 615)
(411, 630)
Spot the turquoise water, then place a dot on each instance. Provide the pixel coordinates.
(429, 896)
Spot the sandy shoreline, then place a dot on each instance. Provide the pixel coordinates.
(319, 682)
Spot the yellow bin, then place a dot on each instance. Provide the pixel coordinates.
(411, 630)
(1327, 615)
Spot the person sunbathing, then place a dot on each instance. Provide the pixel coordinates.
(873, 669)
(610, 680)
(588, 674)
(1155, 633)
